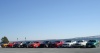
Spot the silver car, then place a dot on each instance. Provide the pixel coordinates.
(68, 43)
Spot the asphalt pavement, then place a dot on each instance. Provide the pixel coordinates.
(50, 50)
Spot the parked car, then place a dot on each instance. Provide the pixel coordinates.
(35, 44)
(92, 43)
(58, 44)
(17, 45)
(25, 44)
(68, 43)
(46, 44)
(10, 45)
(21, 44)
(30, 45)
(80, 43)
(4, 45)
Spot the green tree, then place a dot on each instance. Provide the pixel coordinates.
(4, 39)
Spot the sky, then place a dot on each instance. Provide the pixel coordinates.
(49, 19)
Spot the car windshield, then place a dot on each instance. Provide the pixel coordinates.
(80, 41)
(46, 41)
(92, 41)
(36, 42)
(24, 42)
(31, 42)
(68, 41)
(57, 41)
(16, 42)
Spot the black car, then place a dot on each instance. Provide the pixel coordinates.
(25, 44)
(16, 45)
(47, 44)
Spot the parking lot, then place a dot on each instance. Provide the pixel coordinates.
(50, 50)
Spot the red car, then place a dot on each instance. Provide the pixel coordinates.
(35, 44)
(58, 44)
(10, 45)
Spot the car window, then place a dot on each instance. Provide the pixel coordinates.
(36, 42)
(27, 42)
(92, 41)
(57, 41)
(31, 42)
(46, 41)
(68, 41)
(16, 42)
(80, 41)
(24, 42)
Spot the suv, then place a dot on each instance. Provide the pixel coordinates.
(92, 43)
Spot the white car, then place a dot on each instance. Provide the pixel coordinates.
(80, 43)
(68, 43)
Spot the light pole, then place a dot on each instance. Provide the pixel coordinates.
(17, 39)
(25, 38)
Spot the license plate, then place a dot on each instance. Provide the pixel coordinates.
(89, 45)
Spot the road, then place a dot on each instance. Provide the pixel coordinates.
(50, 50)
